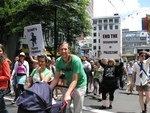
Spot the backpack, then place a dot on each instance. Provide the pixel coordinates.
(36, 99)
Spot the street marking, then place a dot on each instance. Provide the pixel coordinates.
(95, 110)
(7, 98)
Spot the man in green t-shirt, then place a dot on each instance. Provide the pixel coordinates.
(71, 66)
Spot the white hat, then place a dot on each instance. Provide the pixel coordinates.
(91, 61)
(48, 58)
(22, 54)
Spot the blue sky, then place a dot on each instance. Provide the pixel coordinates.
(131, 11)
(144, 3)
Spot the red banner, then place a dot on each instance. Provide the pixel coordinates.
(147, 23)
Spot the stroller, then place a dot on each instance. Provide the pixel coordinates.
(38, 99)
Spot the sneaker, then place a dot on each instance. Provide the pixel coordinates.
(144, 111)
(94, 96)
(110, 107)
(99, 100)
(13, 102)
(102, 107)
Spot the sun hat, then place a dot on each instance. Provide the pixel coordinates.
(48, 58)
(22, 54)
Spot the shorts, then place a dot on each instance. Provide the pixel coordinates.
(146, 87)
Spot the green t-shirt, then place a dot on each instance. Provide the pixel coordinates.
(75, 67)
(36, 77)
(97, 73)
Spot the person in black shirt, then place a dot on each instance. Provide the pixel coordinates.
(109, 82)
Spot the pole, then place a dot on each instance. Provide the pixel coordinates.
(55, 33)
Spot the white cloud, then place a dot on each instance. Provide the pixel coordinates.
(129, 10)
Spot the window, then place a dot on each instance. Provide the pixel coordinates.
(94, 40)
(105, 21)
(110, 27)
(94, 47)
(94, 34)
(94, 28)
(105, 27)
(99, 40)
(116, 20)
(100, 21)
(100, 27)
(116, 26)
(94, 21)
(99, 47)
(110, 20)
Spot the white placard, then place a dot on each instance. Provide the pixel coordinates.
(110, 43)
(34, 37)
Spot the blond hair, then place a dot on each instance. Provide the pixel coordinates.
(112, 60)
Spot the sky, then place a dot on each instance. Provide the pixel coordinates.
(130, 11)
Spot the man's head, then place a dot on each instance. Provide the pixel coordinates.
(142, 55)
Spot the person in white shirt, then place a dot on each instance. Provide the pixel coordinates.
(129, 78)
(87, 69)
(141, 79)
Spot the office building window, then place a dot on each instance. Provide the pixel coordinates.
(94, 21)
(110, 27)
(100, 27)
(94, 34)
(100, 21)
(116, 20)
(94, 40)
(105, 21)
(94, 47)
(116, 26)
(94, 28)
(99, 40)
(99, 47)
(110, 20)
(105, 27)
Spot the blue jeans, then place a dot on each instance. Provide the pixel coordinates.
(2, 101)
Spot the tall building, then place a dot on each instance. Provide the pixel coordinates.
(100, 25)
(90, 9)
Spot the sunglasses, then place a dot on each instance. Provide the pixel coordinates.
(143, 55)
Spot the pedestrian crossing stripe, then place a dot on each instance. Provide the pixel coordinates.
(6, 98)
(95, 110)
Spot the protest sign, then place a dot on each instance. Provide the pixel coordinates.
(110, 43)
(34, 37)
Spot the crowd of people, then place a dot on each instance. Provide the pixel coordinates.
(80, 75)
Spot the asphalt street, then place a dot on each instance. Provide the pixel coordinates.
(123, 103)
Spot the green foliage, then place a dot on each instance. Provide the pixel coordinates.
(72, 18)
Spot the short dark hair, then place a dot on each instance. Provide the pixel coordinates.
(43, 56)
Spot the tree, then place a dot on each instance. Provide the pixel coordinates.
(72, 19)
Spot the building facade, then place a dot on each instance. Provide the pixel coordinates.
(100, 25)
(133, 39)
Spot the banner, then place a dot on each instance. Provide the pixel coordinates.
(147, 22)
(111, 43)
(34, 37)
